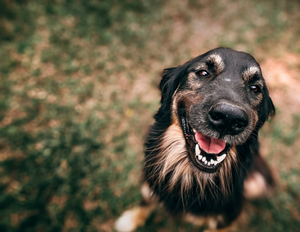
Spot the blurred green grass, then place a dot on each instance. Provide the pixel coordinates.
(78, 91)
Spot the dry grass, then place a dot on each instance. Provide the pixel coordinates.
(79, 88)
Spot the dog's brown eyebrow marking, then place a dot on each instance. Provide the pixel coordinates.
(250, 73)
(213, 60)
(201, 66)
(217, 62)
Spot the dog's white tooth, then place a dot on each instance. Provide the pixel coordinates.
(203, 159)
(208, 163)
(221, 158)
(205, 162)
(197, 149)
(200, 157)
(194, 131)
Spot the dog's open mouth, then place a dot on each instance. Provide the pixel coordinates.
(207, 153)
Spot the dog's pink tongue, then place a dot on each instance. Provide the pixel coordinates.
(210, 145)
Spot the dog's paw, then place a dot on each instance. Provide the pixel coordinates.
(132, 219)
(255, 186)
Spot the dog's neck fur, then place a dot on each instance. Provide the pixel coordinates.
(183, 187)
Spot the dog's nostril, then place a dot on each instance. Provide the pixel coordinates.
(239, 124)
(216, 116)
(228, 118)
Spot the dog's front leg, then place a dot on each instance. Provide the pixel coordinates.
(131, 219)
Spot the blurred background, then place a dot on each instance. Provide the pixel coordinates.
(78, 92)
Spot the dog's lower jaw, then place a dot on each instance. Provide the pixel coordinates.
(216, 149)
(184, 188)
(209, 163)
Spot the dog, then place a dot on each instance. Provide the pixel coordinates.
(201, 154)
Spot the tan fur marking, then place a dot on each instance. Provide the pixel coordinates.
(248, 73)
(147, 194)
(130, 220)
(189, 97)
(210, 222)
(195, 220)
(254, 118)
(218, 62)
(220, 218)
(256, 103)
(201, 66)
(193, 81)
(174, 156)
(225, 171)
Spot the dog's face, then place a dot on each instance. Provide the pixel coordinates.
(219, 100)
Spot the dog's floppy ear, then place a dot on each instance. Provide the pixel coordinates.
(170, 80)
(270, 106)
(268, 109)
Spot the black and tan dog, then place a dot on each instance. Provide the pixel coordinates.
(201, 158)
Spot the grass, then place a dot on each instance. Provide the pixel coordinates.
(78, 91)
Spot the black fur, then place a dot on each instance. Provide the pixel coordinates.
(213, 202)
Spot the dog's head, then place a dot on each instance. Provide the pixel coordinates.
(219, 100)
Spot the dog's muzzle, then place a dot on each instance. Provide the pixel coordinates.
(227, 119)
(206, 153)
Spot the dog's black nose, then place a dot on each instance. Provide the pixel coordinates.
(228, 119)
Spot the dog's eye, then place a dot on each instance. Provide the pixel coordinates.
(203, 73)
(255, 88)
